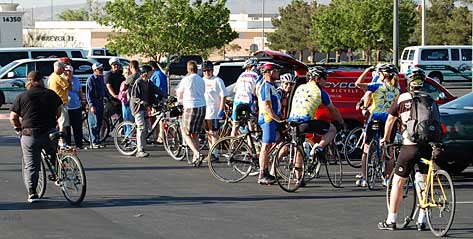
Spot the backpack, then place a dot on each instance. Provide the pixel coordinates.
(423, 125)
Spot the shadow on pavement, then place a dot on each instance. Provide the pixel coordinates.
(162, 200)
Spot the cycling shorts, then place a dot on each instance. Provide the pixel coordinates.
(319, 127)
(239, 109)
(212, 124)
(270, 132)
(409, 155)
(370, 132)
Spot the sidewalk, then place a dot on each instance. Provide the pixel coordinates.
(4, 116)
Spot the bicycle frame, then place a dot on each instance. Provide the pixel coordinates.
(429, 187)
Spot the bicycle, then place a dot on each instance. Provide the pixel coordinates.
(235, 157)
(310, 166)
(376, 168)
(109, 123)
(353, 146)
(65, 170)
(438, 198)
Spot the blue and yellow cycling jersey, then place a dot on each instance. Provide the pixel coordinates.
(382, 97)
(268, 92)
(306, 101)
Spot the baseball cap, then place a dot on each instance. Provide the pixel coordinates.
(96, 65)
(113, 60)
(66, 60)
(207, 65)
(69, 68)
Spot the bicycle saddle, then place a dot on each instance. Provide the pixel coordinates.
(56, 135)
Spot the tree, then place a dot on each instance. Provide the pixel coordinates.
(293, 27)
(167, 27)
(447, 24)
(74, 15)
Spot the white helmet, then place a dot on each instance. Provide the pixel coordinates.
(288, 77)
(113, 60)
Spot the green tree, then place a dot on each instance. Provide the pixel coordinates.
(446, 24)
(74, 15)
(167, 27)
(293, 27)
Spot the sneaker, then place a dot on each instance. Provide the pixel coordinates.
(361, 182)
(358, 176)
(96, 146)
(383, 225)
(142, 154)
(266, 179)
(316, 150)
(421, 226)
(33, 198)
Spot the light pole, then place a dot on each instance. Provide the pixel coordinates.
(395, 32)
(262, 34)
(52, 13)
(423, 22)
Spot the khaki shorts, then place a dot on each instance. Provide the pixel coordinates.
(63, 120)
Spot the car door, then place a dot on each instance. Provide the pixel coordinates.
(15, 81)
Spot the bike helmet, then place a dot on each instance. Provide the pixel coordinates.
(288, 77)
(269, 66)
(145, 69)
(252, 61)
(415, 77)
(316, 71)
(391, 69)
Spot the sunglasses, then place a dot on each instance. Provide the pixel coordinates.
(288, 83)
(206, 70)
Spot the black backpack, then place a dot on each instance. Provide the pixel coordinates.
(423, 125)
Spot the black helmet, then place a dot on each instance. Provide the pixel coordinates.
(416, 76)
(145, 69)
(316, 71)
(207, 65)
(391, 69)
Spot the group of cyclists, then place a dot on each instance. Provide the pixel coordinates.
(260, 91)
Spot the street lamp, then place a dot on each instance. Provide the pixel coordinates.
(52, 14)
(395, 32)
(262, 35)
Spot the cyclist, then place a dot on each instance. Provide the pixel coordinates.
(37, 121)
(245, 91)
(113, 80)
(288, 81)
(143, 95)
(410, 152)
(61, 84)
(306, 100)
(381, 94)
(269, 118)
(215, 93)
(95, 93)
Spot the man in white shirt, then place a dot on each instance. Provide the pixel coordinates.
(215, 93)
(190, 92)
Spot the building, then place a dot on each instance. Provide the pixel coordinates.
(11, 25)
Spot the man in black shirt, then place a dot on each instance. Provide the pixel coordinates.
(113, 80)
(38, 107)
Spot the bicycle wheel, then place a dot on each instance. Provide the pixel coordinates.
(440, 218)
(373, 166)
(104, 130)
(333, 165)
(124, 138)
(287, 174)
(230, 159)
(353, 147)
(72, 179)
(408, 207)
(312, 165)
(173, 142)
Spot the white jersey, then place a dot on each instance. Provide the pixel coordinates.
(245, 87)
(214, 92)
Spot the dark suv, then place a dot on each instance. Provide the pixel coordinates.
(178, 64)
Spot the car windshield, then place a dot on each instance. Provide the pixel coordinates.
(465, 102)
(7, 67)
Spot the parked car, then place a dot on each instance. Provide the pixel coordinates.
(457, 119)
(178, 64)
(13, 76)
(8, 55)
(97, 51)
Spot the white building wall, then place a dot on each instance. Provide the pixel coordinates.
(11, 26)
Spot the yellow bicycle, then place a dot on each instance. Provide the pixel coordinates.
(437, 198)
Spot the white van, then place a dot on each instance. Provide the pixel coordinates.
(8, 55)
(97, 51)
(441, 63)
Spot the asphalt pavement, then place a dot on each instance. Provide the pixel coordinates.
(158, 197)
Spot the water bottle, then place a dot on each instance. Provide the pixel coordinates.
(419, 184)
(306, 147)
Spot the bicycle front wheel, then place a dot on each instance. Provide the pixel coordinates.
(353, 147)
(230, 159)
(440, 217)
(289, 167)
(72, 178)
(124, 138)
(333, 165)
(173, 142)
(407, 209)
(373, 166)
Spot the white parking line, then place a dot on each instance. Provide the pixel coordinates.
(466, 202)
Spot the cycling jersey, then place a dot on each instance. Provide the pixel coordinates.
(268, 93)
(245, 87)
(382, 96)
(307, 99)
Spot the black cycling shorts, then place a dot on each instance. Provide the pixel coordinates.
(319, 127)
(409, 155)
